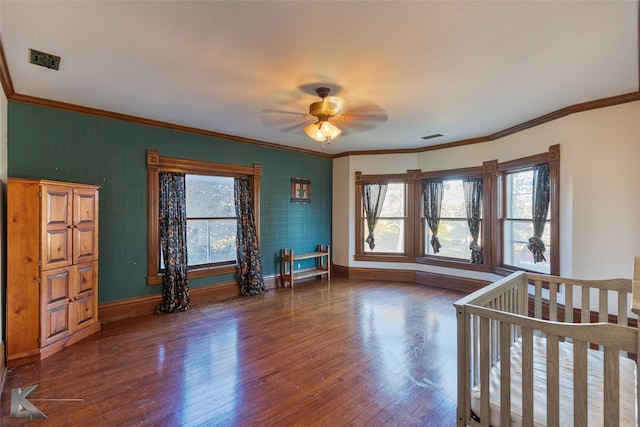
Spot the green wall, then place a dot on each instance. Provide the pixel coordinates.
(59, 145)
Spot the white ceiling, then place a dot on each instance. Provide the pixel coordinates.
(463, 69)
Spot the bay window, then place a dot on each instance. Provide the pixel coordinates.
(491, 218)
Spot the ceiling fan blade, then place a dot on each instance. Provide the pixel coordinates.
(354, 126)
(357, 117)
(276, 111)
(294, 127)
(365, 111)
(277, 118)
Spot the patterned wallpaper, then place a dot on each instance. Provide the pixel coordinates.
(53, 144)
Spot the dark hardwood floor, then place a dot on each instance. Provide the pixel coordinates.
(346, 353)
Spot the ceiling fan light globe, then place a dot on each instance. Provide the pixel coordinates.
(326, 128)
(329, 130)
(313, 131)
(334, 132)
(322, 131)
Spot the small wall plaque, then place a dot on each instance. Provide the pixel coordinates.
(300, 190)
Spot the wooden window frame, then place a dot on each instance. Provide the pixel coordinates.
(410, 238)
(157, 164)
(451, 174)
(552, 157)
(493, 207)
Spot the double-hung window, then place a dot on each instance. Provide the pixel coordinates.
(389, 229)
(385, 217)
(529, 211)
(518, 223)
(453, 229)
(211, 220)
(211, 215)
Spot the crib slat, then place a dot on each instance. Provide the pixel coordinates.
(579, 383)
(603, 309)
(585, 315)
(538, 299)
(623, 318)
(553, 301)
(476, 349)
(494, 342)
(553, 381)
(484, 372)
(464, 387)
(611, 387)
(523, 292)
(622, 308)
(505, 374)
(568, 303)
(527, 377)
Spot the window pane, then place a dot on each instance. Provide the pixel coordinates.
(209, 196)
(519, 198)
(516, 239)
(454, 237)
(394, 201)
(389, 232)
(453, 205)
(453, 233)
(212, 237)
(388, 235)
(519, 194)
(211, 241)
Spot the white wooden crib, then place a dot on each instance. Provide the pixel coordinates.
(522, 361)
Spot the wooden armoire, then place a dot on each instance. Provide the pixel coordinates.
(52, 267)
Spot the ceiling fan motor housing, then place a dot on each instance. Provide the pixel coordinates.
(323, 108)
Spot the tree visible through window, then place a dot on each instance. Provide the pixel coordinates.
(211, 220)
(389, 231)
(453, 231)
(518, 223)
(211, 215)
(499, 197)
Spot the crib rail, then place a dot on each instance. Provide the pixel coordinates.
(524, 305)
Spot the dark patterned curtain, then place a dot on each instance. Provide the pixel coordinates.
(173, 241)
(432, 201)
(473, 201)
(373, 198)
(540, 210)
(249, 266)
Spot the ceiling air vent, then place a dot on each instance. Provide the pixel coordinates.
(435, 135)
(44, 59)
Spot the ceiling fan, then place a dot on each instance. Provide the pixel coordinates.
(324, 116)
(325, 111)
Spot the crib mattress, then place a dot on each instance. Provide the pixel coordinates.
(595, 387)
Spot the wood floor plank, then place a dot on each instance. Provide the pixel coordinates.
(352, 352)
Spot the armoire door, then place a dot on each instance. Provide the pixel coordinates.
(56, 295)
(57, 226)
(85, 299)
(85, 225)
